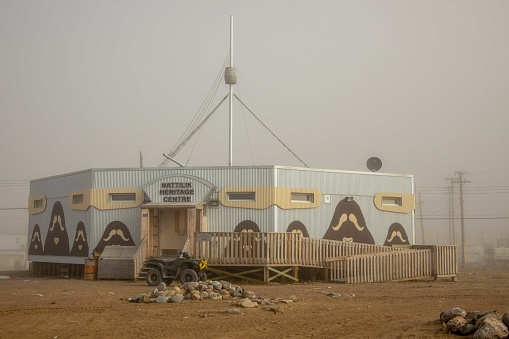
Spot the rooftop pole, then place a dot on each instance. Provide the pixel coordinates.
(231, 93)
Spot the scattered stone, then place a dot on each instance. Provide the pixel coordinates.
(455, 323)
(226, 285)
(160, 299)
(285, 301)
(215, 296)
(505, 318)
(466, 329)
(334, 294)
(233, 311)
(493, 328)
(249, 294)
(162, 286)
(479, 323)
(190, 286)
(247, 303)
(452, 313)
(482, 325)
(217, 285)
(275, 309)
(177, 298)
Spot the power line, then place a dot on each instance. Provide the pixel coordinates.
(465, 218)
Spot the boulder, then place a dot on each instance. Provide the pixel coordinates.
(505, 318)
(247, 303)
(466, 329)
(455, 323)
(451, 313)
(482, 320)
(177, 298)
(492, 328)
(160, 299)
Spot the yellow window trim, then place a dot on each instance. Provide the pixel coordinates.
(407, 202)
(100, 199)
(31, 201)
(268, 196)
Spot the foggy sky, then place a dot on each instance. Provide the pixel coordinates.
(423, 85)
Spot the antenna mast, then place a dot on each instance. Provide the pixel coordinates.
(230, 78)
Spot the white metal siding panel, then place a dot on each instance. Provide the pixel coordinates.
(338, 184)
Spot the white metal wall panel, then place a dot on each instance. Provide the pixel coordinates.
(338, 184)
(220, 218)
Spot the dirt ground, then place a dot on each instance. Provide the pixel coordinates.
(34, 307)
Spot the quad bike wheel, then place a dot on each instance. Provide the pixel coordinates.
(203, 277)
(188, 275)
(153, 277)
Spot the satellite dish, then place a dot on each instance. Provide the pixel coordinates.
(374, 164)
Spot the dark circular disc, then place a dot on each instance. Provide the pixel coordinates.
(374, 164)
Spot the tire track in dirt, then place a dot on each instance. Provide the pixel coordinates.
(38, 311)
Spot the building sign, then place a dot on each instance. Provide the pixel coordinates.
(176, 191)
(178, 188)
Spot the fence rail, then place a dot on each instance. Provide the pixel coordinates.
(380, 267)
(346, 262)
(139, 256)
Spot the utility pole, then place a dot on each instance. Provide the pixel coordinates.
(461, 182)
(422, 222)
(452, 230)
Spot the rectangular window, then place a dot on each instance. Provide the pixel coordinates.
(77, 199)
(123, 197)
(241, 196)
(38, 203)
(392, 201)
(302, 197)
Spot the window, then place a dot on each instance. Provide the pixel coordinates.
(77, 199)
(122, 197)
(38, 203)
(302, 197)
(392, 201)
(241, 196)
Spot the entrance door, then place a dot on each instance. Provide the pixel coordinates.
(173, 230)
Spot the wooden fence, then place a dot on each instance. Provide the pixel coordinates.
(346, 262)
(380, 267)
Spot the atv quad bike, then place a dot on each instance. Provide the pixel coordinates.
(184, 268)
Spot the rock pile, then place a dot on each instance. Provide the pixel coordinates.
(215, 290)
(481, 325)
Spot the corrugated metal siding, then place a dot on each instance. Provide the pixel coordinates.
(72, 218)
(338, 184)
(61, 186)
(220, 176)
(224, 219)
(131, 217)
(220, 219)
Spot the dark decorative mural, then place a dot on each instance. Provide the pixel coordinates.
(116, 233)
(252, 247)
(80, 243)
(247, 226)
(348, 224)
(36, 242)
(298, 227)
(57, 240)
(396, 235)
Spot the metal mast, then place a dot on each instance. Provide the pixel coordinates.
(230, 77)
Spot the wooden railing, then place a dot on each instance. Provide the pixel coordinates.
(249, 248)
(444, 259)
(347, 262)
(139, 256)
(380, 267)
